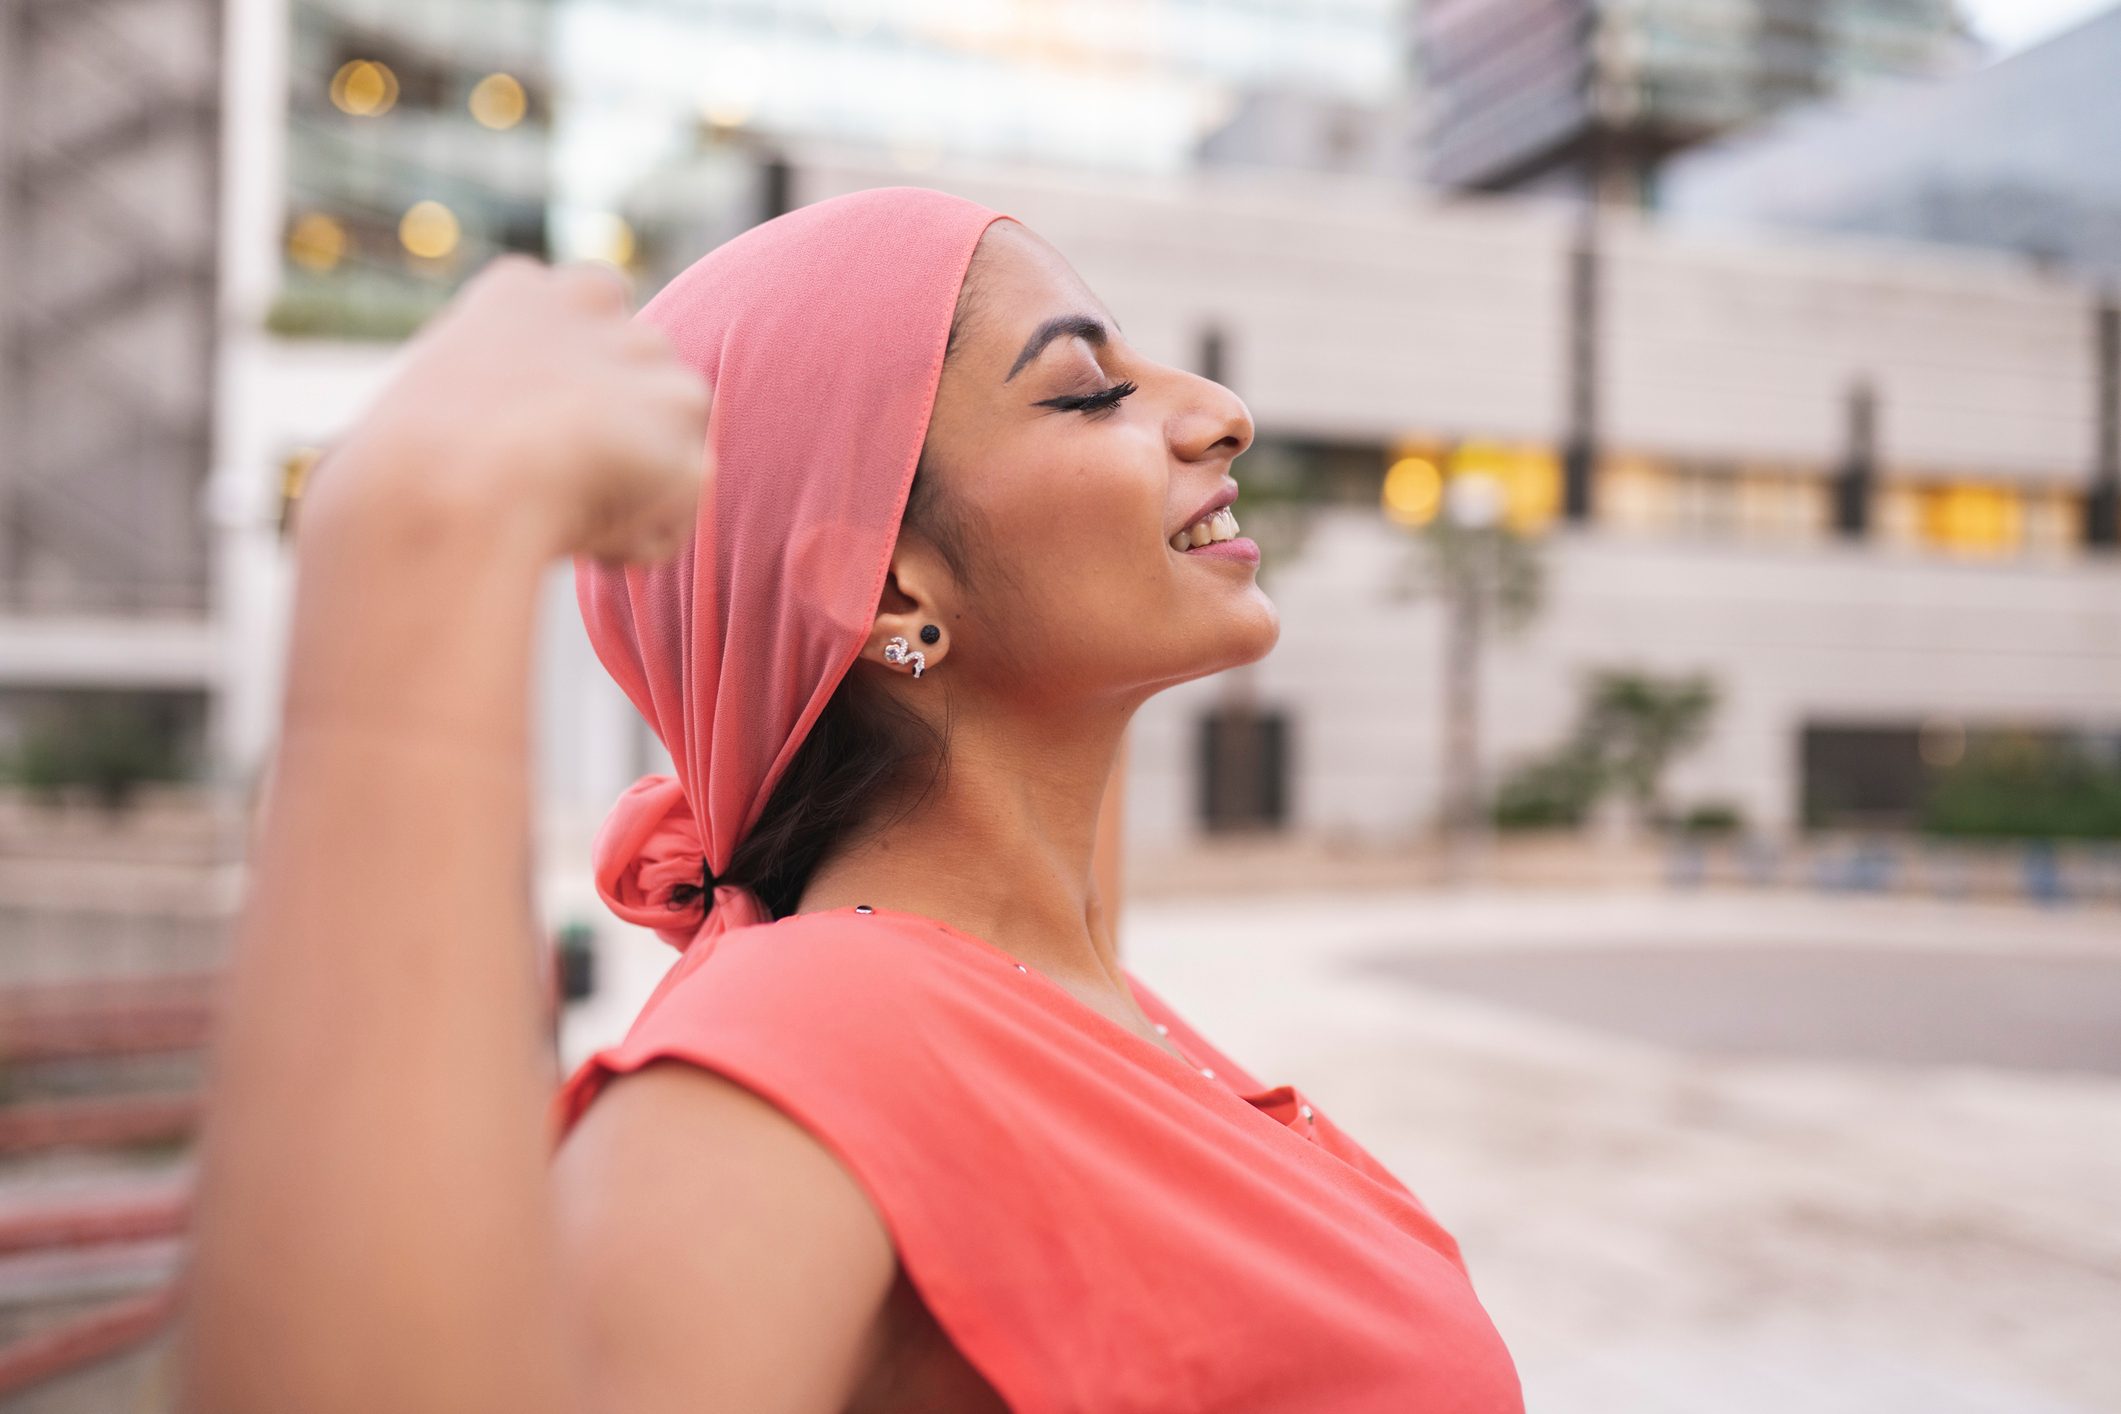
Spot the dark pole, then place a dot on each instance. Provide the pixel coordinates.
(1579, 457)
(1852, 489)
(776, 188)
(1214, 356)
(2102, 506)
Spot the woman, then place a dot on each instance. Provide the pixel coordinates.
(897, 1131)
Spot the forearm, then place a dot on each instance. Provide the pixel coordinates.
(372, 1228)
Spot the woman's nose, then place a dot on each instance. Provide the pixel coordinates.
(1213, 422)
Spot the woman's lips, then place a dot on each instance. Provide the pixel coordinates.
(1237, 549)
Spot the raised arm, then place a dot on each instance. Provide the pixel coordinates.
(374, 1226)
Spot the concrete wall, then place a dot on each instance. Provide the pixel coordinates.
(1360, 313)
(1749, 349)
(1350, 309)
(1789, 635)
(1364, 311)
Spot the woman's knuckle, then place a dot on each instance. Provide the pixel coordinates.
(598, 285)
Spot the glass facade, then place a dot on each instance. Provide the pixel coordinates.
(419, 146)
(1590, 96)
(1112, 85)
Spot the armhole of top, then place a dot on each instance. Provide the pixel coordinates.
(982, 1345)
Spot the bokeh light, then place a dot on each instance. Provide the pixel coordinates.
(316, 242)
(364, 88)
(429, 230)
(1413, 491)
(498, 101)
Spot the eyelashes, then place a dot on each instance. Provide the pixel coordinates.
(1103, 400)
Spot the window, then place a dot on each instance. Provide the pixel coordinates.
(1244, 769)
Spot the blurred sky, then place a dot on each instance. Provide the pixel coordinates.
(2013, 24)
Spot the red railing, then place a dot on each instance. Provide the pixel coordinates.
(71, 1022)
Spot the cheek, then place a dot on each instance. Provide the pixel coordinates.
(1084, 562)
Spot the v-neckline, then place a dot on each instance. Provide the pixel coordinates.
(1095, 1018)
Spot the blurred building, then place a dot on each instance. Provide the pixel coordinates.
(1583, 97)
(110, 153)
(1860, 490)
(380, 152)
(2017, 157)
(418, 147)
(374, 173)
(1313, 134)
(1107, 88)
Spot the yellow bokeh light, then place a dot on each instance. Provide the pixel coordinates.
(727, 112)
(316, 242)
(364, 88)
(1529, 474)
(1413, 490)
(1973, 517)
(429, 229)
(619, 243)
(295, 470)
(1634, 492)
(498, 101)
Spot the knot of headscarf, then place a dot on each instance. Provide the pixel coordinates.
(648, 849)
(822, 333)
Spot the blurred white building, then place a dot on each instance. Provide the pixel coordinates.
(1366, 326)
(110, 140)
(1851, 481)
(377, 152)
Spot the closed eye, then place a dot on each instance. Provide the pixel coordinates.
(1103, 400)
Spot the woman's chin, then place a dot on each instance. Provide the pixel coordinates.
(1264, 631)
(1247, 642)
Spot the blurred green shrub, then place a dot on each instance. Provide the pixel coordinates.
(108, 743)
(1629, 728)
(1550, 792)
(1711, 817)
(369, 312)
(2026, 787)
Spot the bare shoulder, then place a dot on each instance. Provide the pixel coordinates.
(718, 1255)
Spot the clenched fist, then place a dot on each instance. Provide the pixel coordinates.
(533, 406)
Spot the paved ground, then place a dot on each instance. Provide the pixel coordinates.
(1716, 1152)
(1885, 1005)
(1719, 1152)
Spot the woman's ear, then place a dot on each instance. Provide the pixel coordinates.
(911, 608)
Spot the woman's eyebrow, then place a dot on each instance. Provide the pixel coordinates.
(1079, 326)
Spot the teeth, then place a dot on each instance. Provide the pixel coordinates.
(1221, 525)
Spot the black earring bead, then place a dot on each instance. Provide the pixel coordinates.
(930, 633)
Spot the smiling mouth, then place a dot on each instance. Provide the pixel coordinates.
(1211, 529)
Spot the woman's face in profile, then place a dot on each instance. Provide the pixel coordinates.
(1071, 487)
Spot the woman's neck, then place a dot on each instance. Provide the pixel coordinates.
(1001, 846)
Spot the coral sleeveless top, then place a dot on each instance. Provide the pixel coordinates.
(1099, 1226)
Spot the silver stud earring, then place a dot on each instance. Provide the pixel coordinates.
(895, 652)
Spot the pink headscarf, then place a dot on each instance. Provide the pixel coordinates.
(822, 333)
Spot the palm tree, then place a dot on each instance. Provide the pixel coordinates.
(1486, 573)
